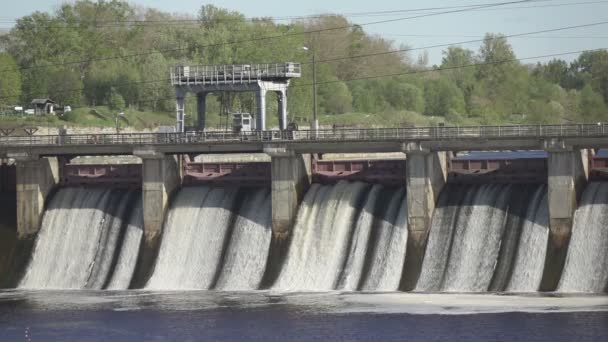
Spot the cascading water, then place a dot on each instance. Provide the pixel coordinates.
(482, 238)
(347, 236)
(214, 237)
(80, 243)
(586, 267)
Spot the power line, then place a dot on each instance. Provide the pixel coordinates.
(459, 43)
(355, 57)
(476, 36)
(135, 22)
(451, 68)
(265, 38)
(472, 65)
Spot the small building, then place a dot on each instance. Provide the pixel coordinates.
(43, 106)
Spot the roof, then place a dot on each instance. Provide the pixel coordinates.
(42, 101)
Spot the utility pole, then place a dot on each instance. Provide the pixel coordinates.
(314, 92)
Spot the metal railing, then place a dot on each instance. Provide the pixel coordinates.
(235, 73)
(303, 136)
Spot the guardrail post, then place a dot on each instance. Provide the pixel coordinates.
(426, 173)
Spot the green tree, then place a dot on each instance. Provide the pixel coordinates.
(497, 60)
(457, 64)
(591, 106)
(115, 100)
(402, 95)
(10, 80)
(442, 97)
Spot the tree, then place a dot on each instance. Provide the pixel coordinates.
(457, 64)
(10, 80)
(591, 106)
(442, 97)
(115, 100)
(402, 95)
(595, 64)
(497, 59)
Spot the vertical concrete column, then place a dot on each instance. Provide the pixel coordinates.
(36, 177)
(260, 118)
(201, 109)
(567, 177)
(290, 173)
(180, 109)
(282, 107)
(426, 174)
(161, 177)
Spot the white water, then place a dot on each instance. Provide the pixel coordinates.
(467, 232)
(127, 259)
(586, 267)
(78, 241)
(205, 246)
(340, 240)
(245, 260)
(527, 271)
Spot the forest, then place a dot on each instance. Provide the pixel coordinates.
(111, 56)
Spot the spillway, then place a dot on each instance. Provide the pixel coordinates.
(349, 236)
(214, 238)
(89, 238)
(486, 237)
(586, 267)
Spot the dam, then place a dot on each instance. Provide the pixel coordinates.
(454, 211)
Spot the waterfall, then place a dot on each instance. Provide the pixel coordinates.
(347, 236)
(80, 240)
(586, 267)
(484, 237)
(214, 237)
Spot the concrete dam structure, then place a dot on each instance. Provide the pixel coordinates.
(432, 220)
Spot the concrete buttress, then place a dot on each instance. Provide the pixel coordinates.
(161, 177)
(36, 178)
(426, 175)
(567, 176)
(290, 173)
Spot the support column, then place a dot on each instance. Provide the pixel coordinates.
(426, 174)
(260, 118)
(201, 108)
(290, 180)
(282, 107)
(36, 177)
(566, 179)
(180, 110)
(161, 177)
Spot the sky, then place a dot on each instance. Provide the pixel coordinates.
(422, 32)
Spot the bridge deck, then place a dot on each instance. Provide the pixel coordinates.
(480, 138)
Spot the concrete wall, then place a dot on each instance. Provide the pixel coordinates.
(290, 173)
(36, 178)
(161, 176)
(426, 175)
(567, 176)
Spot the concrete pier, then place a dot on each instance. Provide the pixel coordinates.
(567, 176)
(426, 174)
(36, 178)
(161, 176)
(290, 178)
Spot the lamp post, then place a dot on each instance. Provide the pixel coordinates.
(315, 121)
(117, 126)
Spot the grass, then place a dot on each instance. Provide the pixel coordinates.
(383, 119)
(100, 116)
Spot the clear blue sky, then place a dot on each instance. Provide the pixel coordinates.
(447, 28)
